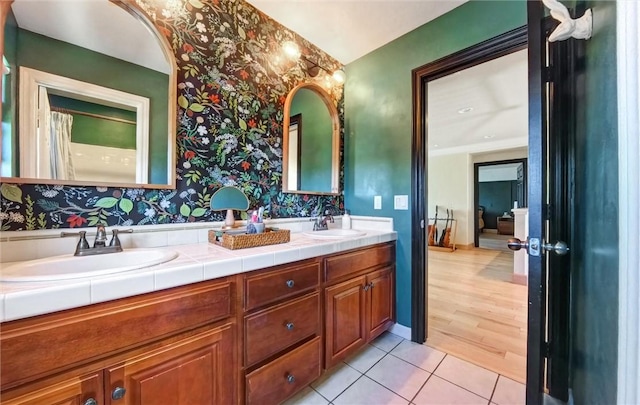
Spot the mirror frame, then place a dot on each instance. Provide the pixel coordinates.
(335, 140)
(136, 12)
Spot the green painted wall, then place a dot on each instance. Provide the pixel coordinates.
(378, 115)
(46, 54)
(315, 145)
(98, 131)
(594, 281)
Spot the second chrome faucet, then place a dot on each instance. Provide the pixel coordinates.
(100, 242)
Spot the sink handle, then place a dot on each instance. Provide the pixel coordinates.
(82, 242)
(115, 241)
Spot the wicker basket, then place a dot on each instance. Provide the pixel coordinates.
(246, 240)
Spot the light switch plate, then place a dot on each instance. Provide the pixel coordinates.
(400, 202)
(377, 202)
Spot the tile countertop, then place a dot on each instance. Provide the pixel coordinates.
(196, 262)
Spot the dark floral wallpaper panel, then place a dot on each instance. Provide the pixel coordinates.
(232, 85)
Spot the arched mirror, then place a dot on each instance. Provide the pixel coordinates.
(311, 145)
(88, 95)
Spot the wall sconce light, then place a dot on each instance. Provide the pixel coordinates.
(292, 51)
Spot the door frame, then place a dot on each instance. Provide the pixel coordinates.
(476, 190)
(493, 48)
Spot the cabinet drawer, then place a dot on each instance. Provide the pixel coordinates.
(65, 339)
(284, 376)
(355, 262)
(264, 288)
(267, 332)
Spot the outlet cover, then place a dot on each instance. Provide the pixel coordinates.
(377, 202)
(400, 202)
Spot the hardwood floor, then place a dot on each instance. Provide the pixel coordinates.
(475, 312)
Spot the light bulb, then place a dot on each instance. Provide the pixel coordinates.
(291, 49)
(339, 76)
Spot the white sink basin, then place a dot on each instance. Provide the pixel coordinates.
(335, 233)
(69, 266)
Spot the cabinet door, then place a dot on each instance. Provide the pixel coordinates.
(85, 390)
(380, 294)
(196, 370)
(345, 314)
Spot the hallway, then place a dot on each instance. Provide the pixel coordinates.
(475, 312)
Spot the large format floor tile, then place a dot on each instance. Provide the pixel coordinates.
(335, 381)
(509, 392)
(399, 376)
(366, 358)
(365, 391)
(440, 392)
(307, 397)
(387, 341)
(466, 375)
(419, 355)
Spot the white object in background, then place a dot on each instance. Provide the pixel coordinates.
(401, 202)
(515, 205)
(580, 28)
(346, 220)
(377, 202)
(520, 258)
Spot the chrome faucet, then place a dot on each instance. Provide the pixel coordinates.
(321, 223)
(100, 242)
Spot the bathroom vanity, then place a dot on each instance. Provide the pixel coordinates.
(255, 336)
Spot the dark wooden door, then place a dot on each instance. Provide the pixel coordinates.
(550, 197)
(345, 319)
(196, 370)
(380, 301)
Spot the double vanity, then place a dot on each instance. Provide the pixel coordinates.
(211, 326)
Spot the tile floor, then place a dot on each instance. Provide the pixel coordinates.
(392, 370)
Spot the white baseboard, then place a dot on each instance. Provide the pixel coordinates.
(401, 330)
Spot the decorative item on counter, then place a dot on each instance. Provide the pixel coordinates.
(229, 240)
(346, 220)
(255, 224)
(229, 198)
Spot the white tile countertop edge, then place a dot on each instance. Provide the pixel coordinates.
(196, 262)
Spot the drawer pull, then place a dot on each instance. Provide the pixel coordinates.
(90, 401)
(118, 393)
(290, 283)
(290, 378)
(289, 325)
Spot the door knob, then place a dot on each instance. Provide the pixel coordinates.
(532, 246)
(560, 248)
(517, 244)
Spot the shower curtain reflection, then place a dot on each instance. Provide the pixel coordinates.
(54, 143)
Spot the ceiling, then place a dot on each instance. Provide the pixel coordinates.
(90, 24)
(481, 108)
(349, 29)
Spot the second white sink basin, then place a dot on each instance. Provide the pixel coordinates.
(335, 233)
(69, 266)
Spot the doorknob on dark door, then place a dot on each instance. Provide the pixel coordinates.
(531, 246)
(517, 244)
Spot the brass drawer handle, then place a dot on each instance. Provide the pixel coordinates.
(290, 378)
(289, 325)
(290, 283)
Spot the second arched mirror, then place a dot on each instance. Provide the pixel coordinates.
(311, 146)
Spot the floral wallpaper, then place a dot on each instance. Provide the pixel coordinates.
(232, 85)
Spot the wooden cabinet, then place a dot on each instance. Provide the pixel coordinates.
(255, 338)
(83, 390)
(190, 371)
(360, 308)
(505, 225)
(282, 331)
(171, 347)
(345, 306)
